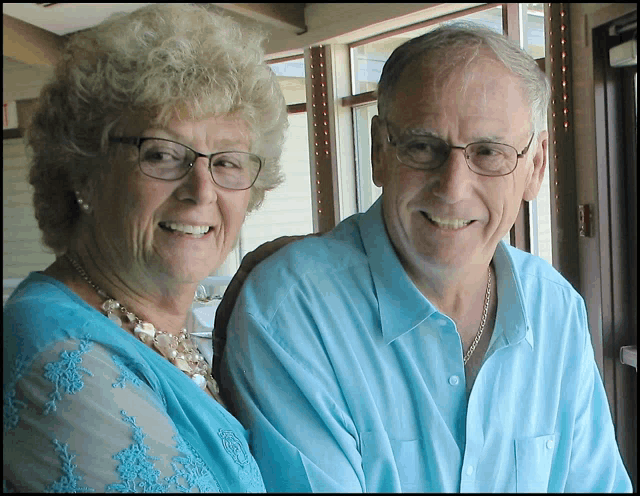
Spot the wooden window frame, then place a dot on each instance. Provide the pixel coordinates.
(616, 248)
(520, 233)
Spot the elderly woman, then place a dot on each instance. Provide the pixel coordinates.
(161, 130)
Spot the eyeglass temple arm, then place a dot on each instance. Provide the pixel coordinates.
(526, 148)
(127, 140)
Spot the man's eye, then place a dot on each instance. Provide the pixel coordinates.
(490, 151)
(486, 151)
(419, 146)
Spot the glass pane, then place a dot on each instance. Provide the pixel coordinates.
(291, 78)
(286, 210)
(368, 192)
(367, 60)
(533, 29)
(532, 15)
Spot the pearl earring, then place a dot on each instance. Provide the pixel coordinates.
(83, 205)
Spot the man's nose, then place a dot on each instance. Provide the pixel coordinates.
(453, 177)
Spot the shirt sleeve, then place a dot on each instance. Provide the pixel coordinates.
(301, 437)
(77, 419)
(595, 464)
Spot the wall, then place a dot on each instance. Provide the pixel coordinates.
(22, 250)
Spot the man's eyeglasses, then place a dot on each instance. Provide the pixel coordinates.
(168, 160)
(483, 158)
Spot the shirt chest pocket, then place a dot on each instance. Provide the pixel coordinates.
(533, 463)
(391, 465)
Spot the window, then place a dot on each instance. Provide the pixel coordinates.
(287, 209)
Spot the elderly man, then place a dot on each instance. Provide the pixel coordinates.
(410, 349)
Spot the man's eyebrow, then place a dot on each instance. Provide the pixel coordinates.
(422, 132)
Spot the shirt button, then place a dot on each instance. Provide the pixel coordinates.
(550, 444)
(454, 380)
(469, 469)
(442, 322)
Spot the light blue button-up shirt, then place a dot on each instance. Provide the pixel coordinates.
(349, 379)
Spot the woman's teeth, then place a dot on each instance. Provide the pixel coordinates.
(195, 231)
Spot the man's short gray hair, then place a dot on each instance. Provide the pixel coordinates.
(458, 43)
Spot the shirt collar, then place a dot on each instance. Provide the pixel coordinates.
(511, 318)
(403, 307)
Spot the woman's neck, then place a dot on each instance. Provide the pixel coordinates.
(165, 307)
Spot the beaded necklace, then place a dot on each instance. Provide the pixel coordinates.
(179, 350)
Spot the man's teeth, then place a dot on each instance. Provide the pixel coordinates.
(196, 230)
(448, 223)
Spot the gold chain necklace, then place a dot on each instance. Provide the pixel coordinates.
(476, 340)
(179, 350)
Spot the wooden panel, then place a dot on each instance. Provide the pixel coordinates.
(562, 166)
(289, 16)
(28, 43)
(359, 99)
(608, 260)
(324, 169)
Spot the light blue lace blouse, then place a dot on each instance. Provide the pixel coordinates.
(88, 407)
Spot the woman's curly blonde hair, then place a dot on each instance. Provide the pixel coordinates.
(144, 67)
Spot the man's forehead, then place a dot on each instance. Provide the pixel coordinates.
(482, 97)
(479, 81)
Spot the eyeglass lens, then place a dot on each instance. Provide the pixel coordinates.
(163, 159)
(485, 158)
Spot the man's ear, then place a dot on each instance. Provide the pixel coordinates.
(377, 163)
(539, 166)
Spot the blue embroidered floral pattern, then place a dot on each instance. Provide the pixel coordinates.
(65, 374)
(11, 409)
(136, 468)
(11, 405)
(68, 482)
(233, 446)
(248, 469)
(126, 374)
(194, 470)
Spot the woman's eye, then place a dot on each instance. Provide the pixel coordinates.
(226, 164)
(161, 156)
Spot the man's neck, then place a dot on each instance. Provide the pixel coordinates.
(459, 294)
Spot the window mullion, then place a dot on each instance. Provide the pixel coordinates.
(520, 236)
(324, 184)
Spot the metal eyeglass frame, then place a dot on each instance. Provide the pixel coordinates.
(137, 141)
(520, 155)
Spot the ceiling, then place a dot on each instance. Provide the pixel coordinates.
(65, 18)
(33, 33)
